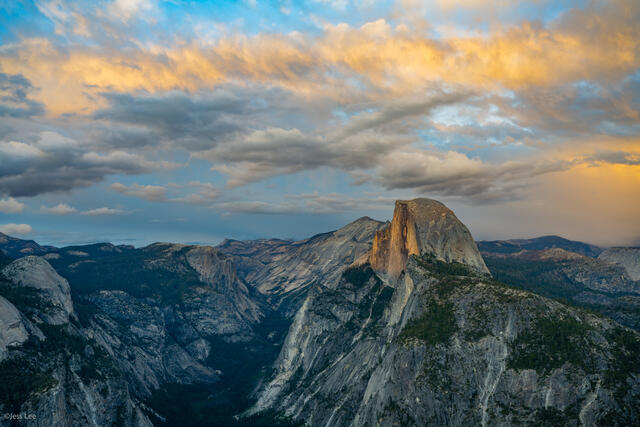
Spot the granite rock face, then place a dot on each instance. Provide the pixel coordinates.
(12, 330)
(441, 343)
(591, 282)
(419, 227)
(183, 304)
(629, 258)
(446, 350)
(57, 373)
(595, 274)
(36, 273)
(284, 271)
(162, 316)
(394, 323)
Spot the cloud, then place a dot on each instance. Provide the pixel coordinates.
(15, 229)
(480, 113)
(91, 19)
(334, 202)
(372, 61)
(193, 121)
(198, 193)
(54, 163)
(376, 146)
(11, 205)
(147, 192)
(454, 174)
(19, 150)
(125, 9)
(59, 209)
(361, 143)
(615, 157)
(256, 207)
(103, 212)
(14, 97)
(191, 193)
(305, 204)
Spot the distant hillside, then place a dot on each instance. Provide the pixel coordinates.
(539, 244)
(17, 248)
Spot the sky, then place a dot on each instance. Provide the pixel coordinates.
(135, 121)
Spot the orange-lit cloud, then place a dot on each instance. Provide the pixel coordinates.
(376, 57)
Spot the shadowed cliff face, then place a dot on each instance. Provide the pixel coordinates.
(419, 227)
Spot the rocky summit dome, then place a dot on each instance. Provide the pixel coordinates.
(423, 226)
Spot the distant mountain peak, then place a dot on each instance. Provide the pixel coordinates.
(423, 226)
(539, 244)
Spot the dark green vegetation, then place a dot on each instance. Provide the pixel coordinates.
(85, 310)
(542, 277)
(198, 405)
(442, 268)
(370, 310)
(436, 325)
(360, 275)
(166, 279)
(16, 248)
(546, 277)
(550, 343)
(65, 341)
(19, 380)
(243, 364)
(436, 370)
(382, 300)
(25, 299)
(552, 417)
(29, 371)
(626, 352)
(60, 340)
(4, 259)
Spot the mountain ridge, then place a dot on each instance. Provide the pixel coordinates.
(173, 327)
(539, 243)
(439, 343)
(423, 226)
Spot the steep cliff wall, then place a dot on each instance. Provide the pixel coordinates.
(444, 344)
(419, 227)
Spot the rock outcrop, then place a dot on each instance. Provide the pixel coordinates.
(218, 271)
(419, 227)
(395, 323)
(129, 325)
(36, 273)
(12, 330)
(179, 322)
(284, 270)
(557, 273)
(441, 343)
(51, 369)
(629, 258)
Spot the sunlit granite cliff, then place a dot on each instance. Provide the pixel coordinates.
(419, 227)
